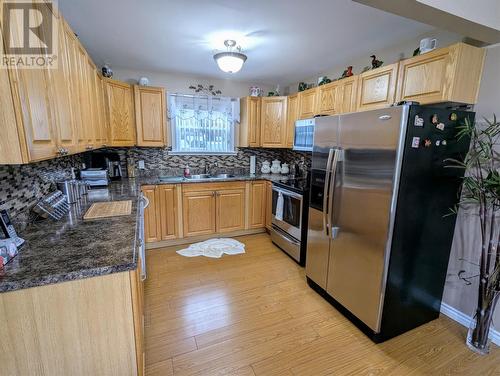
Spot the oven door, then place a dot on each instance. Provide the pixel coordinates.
(289, 219)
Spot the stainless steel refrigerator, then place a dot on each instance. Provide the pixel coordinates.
(379, 233)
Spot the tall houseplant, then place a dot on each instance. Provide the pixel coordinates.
(481, 193)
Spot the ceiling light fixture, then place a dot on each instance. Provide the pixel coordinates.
(230, 61)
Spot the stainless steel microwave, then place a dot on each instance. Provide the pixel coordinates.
(304, 135)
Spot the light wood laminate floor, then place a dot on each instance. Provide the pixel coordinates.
(254, 314)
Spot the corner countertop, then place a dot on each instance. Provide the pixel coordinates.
(71, 248)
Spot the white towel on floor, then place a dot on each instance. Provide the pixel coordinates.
(214, 248)
(279, 207)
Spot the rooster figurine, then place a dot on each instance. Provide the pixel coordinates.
(376, 63)
(347, 72)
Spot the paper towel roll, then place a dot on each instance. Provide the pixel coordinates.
(252, 164)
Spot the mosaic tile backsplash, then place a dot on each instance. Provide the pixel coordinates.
(21, 186)
(158, 159)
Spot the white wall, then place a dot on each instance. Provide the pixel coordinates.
(388, 56)
(466, 242)
(179, 83)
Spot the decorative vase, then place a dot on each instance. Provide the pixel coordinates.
(284, 169)
(266, 167)
(479, 329)
(276, 167)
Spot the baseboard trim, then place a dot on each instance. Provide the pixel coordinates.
(464, 319)
(194, 239)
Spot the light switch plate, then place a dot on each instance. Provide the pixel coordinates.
(141, 165)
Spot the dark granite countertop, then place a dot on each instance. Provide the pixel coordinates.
(69, 249)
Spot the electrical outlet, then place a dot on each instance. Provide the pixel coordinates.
(141, 165)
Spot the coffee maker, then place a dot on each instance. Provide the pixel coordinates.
(114, 169)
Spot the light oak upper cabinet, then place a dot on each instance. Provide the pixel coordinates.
(346, 94)
(257, 204)
(102, 129)
(292, 115)
(328, 99)
(120, 108)
(450, 74)
(198, 209)
(250, 113)
(377, 88)
(168, 198)
(307, 103)
(152, 227)
(230, 208)
(150, 114)
(273, 122)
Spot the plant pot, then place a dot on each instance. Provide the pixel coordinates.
(479, 329)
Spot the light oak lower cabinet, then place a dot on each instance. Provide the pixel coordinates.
(269, 205)
(168, 199)
(150, 114)
(257, 204)
(91, 326)
(120, 108)
(152, 226)
(377, 88)
(250, 114)
(450, 74)
(273, 122)
(230, 209)
(198, 212)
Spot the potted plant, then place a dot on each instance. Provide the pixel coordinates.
(480, 194)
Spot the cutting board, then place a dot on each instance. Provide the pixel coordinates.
(109, 209)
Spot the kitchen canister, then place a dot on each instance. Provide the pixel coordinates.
(284, 169)
(276, 167)
(266, 167)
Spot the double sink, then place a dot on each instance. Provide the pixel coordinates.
(172, 179)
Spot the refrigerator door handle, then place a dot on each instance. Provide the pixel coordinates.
(333, 182)
(326, 224)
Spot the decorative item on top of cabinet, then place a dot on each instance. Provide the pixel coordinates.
(292, 115)
(347, 72)
(377, 88)
(450, 74)
(120, 106)
(150, 113)
(257, 204)
(273, 122)
(307, 103)
(249, 132)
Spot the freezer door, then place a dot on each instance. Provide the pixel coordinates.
(318, 234)
(362, 207)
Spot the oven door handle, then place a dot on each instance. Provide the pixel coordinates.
(285, 192)
(326, 224)
(331, 194)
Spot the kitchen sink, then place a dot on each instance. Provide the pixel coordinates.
(200, 176)
(223, 176)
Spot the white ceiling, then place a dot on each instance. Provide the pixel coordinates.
(285, 40)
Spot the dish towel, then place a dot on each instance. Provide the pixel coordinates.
(279, 207)
(214, 248)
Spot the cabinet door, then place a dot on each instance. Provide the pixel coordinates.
(102, 127)
(423, 78)
(307, 103)
(269, 204)
(150, 113)
(273, 122)
(250, 110)
(230, 210)
(34, 92)
(347, 94)
(377, 88)
(120, 113)
(167, 197)
(198, 210)
(328, 99)
(151, 215)
(292, 115)
(257, 209)
(137, 292)
(86, 137)
(66, 128)
(94, 134)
